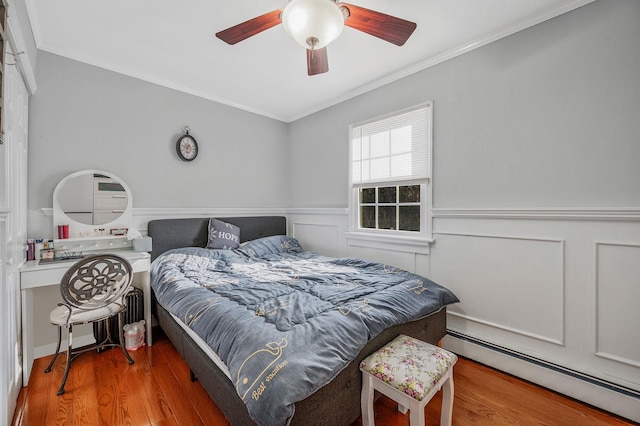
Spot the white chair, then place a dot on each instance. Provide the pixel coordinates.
(410, 372)
(93, 289)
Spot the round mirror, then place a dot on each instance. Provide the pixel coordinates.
(90, 202)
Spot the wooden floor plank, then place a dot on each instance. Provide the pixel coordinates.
(37, 395)
(60, 410)
(194, 390)
(104, 390)
(147, 389)
(108, 387)
(172, 387)
(132, 396)
(84, 384)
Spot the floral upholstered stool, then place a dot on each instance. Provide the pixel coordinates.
(410, 372)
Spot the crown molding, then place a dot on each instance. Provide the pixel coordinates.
(445, 56)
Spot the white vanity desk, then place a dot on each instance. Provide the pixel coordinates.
(34, 275)
(96, 208)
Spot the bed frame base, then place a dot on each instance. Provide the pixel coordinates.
(337, 403)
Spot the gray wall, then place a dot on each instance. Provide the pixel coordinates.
(546, 118)
(542, 119)
(84, 117)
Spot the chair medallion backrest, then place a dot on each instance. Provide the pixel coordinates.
(96, 281)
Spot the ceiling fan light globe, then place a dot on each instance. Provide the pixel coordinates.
(320, 21)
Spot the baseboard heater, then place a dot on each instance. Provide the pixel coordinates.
(133, 313)
(546, 364)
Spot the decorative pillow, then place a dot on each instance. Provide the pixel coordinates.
(223, 235)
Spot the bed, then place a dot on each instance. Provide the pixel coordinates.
(333, 398)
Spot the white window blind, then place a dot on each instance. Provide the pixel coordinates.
(396, 148)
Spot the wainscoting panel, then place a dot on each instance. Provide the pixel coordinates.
(319, 230)
(510, 283)
(617, 302)
(399, 259)
(319, 238)
(548, 295)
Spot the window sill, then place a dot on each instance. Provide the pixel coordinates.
(390, 242)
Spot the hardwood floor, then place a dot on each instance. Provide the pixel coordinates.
(104, 390)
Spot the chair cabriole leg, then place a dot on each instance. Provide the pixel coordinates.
(68, 365)
(121, 334)
(57, 351)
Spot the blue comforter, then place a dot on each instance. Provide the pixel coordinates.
(286, 321)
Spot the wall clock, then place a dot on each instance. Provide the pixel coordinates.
(186, 146)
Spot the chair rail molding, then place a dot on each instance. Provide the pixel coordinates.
(177, 212)
(324, 211)
(616, 214)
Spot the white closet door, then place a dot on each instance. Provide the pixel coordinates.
(14, 199)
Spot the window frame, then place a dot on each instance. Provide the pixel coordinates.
(413, 240)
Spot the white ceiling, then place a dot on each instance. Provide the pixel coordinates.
(173, 43)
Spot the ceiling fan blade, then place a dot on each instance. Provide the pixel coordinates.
(250, 28)
(387, 27)
(317, 62)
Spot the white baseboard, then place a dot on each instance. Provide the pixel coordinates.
(45, 350)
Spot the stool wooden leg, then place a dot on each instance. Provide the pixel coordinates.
(447, 400)
(366, 400)
(416, 414)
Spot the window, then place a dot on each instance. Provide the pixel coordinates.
(390, 173)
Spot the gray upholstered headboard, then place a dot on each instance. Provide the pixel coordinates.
(193, 232)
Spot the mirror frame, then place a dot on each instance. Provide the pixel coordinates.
(80, 230)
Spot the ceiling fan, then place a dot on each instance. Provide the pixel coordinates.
(315, 23)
